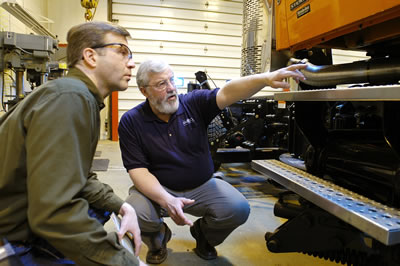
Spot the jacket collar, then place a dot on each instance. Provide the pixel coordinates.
(74, 72)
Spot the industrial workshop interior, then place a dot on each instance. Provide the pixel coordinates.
(318, 163)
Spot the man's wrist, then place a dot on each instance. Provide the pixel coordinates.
(125, 207)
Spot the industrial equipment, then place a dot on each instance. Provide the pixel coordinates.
(248, 130)
(25, 53)
(342, 127)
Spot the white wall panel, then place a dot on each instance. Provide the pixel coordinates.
(201, 61)
(187, 71)
(185, 37)
(131, 93)
(214, 6)
(213, 72)
(175, 12)
(196, 49)
(174, 24)
(191, 35)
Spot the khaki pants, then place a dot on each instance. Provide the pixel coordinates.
(222, 208)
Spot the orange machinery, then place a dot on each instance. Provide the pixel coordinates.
(345, 139)
(349, 24)
(318, 25)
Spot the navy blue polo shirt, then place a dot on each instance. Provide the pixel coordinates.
(177, 152)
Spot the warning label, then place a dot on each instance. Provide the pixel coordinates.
(296, 4)
(303, 11)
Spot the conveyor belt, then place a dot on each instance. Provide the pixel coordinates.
(373, 93)
(373, 218)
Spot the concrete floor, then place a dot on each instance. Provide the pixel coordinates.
(245, 246)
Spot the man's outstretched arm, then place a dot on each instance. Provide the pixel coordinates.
(245, 87)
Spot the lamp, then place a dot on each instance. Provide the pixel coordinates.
(17, 11)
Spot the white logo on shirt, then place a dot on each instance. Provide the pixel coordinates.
(188, 121)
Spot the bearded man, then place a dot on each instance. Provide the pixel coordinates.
(165, 150)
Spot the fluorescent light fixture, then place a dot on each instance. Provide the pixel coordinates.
(17, 11)
(179, 82)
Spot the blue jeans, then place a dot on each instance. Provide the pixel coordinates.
(39, 252)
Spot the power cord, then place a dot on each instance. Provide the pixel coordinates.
(215, 85)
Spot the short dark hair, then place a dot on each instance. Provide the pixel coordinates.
(89, 34)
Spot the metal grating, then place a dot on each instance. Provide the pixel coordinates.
(379, 221)
(251, 60)
(251, 50)
(215, 130)
(252, 17)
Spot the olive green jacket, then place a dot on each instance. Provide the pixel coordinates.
(47, 145)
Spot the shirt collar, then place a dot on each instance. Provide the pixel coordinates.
(74, 72)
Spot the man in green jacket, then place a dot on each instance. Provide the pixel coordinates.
(47, 145)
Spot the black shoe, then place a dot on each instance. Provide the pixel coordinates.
(203, 249)
(159, 255)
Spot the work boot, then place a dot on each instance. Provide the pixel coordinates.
(157, 256)
(203, 249)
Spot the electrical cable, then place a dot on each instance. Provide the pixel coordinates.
(2, 94)
(211, 80)
(3, 90)
(19, 48)
(215, 85)
(94, 13)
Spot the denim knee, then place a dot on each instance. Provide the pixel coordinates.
(241, 212)
(235, 213)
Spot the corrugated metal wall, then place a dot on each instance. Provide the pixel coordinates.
(191, 35)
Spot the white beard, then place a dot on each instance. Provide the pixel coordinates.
(164, 106)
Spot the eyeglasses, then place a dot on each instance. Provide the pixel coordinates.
(162, 85)
(122, 49)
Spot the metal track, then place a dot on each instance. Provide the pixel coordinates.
(373, 218)
(373, 93)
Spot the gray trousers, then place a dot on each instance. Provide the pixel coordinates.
(222, 208)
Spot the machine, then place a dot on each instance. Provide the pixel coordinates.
(342, 165)
(25, 53)
(239, 133)
(248, 130)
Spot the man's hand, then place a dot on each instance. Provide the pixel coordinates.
(141, 263)
(175, 210)
(276, 78)
(130, 224)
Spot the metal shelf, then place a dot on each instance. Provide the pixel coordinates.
(373, 93)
